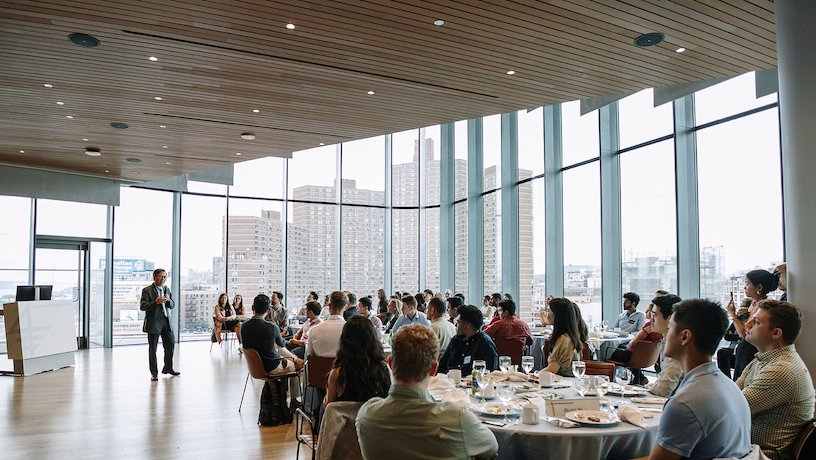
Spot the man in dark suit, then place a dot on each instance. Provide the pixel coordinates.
(156, 303)
(351, 308)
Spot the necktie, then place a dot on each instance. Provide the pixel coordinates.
(164, 307)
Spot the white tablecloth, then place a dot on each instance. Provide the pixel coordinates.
(547, 441)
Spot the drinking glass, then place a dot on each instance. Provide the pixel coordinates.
(484, 381)
(582, 385)
(601, 385)
(527, 364)
(578, 368)
(622, 377)
(604, 325)
(506, 394)
(505, 365)
(478, 369)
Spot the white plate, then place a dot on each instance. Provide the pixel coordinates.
(496, 410)
(652, 400)
(592, 417)
(559, 384)
(628, 391)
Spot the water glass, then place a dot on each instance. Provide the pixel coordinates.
(604, 325)
(601, 384)
(527, 363)
(479, 368)
(582, 385)
(578, 368)
(506, 394)
(505, 364)
(622, 377)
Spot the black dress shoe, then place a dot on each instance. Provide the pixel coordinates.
(154, 378)
(171, 372)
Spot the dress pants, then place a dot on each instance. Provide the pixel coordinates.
(168, 341)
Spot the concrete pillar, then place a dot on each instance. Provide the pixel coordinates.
(796, 54)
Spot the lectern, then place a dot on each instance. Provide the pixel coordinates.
(40, 335)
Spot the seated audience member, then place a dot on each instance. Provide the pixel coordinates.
(509, 327)
(359, 372)
(224, 317)
(583, 330)
(382, 302)
(725, 356)
(238, 306)
(351, 308)
(758, 284)
(394, 307)
(326, 310)
(487, 309)
(707, 417)
(507, 296)
(670, 371)
(278, 313)
(781, 273)
(409, 424)
(410, 314)
(445, 331)
(470, 344)
(364, 309)
(297, 345)
(448, 294)
(420, 298)
(453, 309)
(428, 295)
(650, 308)
(565, 341)
(324, 338)
(461, 297)
(264, 337)
(631, 320)
(544, 311)
(624, 350)
(776, 384)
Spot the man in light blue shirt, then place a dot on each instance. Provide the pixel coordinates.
(707, 417)
(631, 320)
(410, 314)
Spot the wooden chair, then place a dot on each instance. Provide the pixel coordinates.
(805, 445)
(586, 353)
(317, 372)
(599, 368)
(257, 371)
(643, 355)
(512, 348)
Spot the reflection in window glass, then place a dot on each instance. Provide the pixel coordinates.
(15, 232)
(531, 142)
(432, 250)
(405, 168)
(364, 171)
(640, 121)
(491, 151)
(460, 130)
(740, 202)
(255, 249)
(9, 280)
(492, 241)
(579, 134)
(431, 173)
(582, 239)
(59, 218)
(531, 247)
(312, 174)
(202, 263)
(648, 220)
(405, 250)
(143, 232)
(261, 178)
(728, 98)
(206, 187)
(363, 250)
(460, 225)
(312, 249)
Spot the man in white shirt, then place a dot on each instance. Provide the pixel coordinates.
(364, 309)
(297, 345)
(445, 330)
(324, 339)
(631, 320)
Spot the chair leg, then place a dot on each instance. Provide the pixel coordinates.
(244, 393)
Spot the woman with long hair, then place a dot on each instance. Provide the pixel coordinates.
(394, 307)
(382, 302)
(238, 306)
(758, 284)
(225, 318)
(360, 371)
(565, 341)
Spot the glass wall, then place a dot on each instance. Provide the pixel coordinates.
(532, 291)
(460, 213)
(15, 238)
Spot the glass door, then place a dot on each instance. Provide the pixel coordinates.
(66, 268)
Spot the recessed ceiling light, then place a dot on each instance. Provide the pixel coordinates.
(68, 116)
(92, 152)
(322, 143)
(119, 126)
(237, 153)
(255, 110)
(107, 171)
(86, 140)
(48, 85)
(167, 163)
(153, 58)
(439, 22)
(248, 136)
(164, 146)
(84, 40)
(60, 103)
(650, 39)
(371, 92)
(133, 160)
(679, 50)
(290, 26)
(511, 72)
(162, 126)
(157, 98)
(22, 151)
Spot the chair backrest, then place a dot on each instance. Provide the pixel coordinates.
(254, 364)
(317, 370)
(510, 347)
(338, 435)
(644, 354)
(382, 317)
(586, 353)
(805, 445)
(599, 368)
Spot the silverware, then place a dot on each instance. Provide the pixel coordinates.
(562, 423)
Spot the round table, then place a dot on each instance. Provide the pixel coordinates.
(547, 441)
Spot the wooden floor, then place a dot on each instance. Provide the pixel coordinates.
(106, 407)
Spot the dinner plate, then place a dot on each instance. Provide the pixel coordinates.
(545, 394)
(526, 386)
(592, 417)
(560, 384)
(652, 400)
(497, 410)
(628, 391)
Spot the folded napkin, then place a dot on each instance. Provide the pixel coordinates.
(595, 342)
(634, 416)
(514, 376)
(441, 382)
(537, 401)
(457, 397)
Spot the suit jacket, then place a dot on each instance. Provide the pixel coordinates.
(154, 317)
(351, 311)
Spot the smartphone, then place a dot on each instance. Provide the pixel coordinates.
(732, 296)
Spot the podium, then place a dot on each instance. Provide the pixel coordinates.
(40, 335)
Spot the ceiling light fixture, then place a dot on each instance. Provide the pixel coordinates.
(248, 136)
(439, 22)
(119, 126)
(153, 58)
(237, 153)
(679, 50)
(157, 98)
(650, 39)
(60, 103)
(167, 163)
(93, 152)
(290, 26)
(84, 40)
(164, 146)
(133, 160)
(322, 143)
(162, 126)
(107, 171)
(511, 72)
(255, 110)
(68, 116)
(48, 85)
(86, 140)
(370, 93)
(22, 151)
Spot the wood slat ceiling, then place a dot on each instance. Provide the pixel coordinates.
(219, 60)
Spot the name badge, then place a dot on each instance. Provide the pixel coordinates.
(631, 321)
(466, 360)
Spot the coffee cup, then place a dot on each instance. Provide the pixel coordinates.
(455, 375)
(529, 414)
(545, 379)
(490, 390)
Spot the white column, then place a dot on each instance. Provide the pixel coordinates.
(796, 54)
